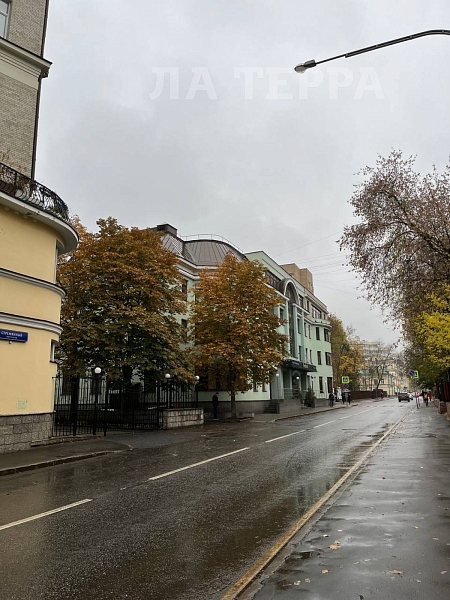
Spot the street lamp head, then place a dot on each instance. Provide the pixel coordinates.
(167, 375)
(302, 67)
(97, 370)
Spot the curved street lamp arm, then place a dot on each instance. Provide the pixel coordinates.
(301, 68)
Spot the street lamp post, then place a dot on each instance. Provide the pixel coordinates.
(197, 379)
(97, 380)
(168, 390)
(309, 64)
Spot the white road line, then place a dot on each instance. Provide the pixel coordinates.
(203, 462)
(284, 436)
(45, 514)
(327, 423)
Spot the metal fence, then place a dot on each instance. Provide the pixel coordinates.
(89, 405)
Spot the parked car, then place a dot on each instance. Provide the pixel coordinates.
(404, 396)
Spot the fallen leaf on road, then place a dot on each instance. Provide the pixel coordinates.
(443, 572)
(325, 535)
(324, 571)
(419, 580)
(340, 530)
(394, 572)
(307, 580)
(335, 546)
(356, 563)
(436, 539)
(297, 582)
(415, 527)
(367, 560)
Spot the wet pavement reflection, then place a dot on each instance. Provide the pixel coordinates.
(187, 536)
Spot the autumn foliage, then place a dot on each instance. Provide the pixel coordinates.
(234, 326)
(123, 291)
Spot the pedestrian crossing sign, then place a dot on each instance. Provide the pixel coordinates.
(345, 379)
(414, 374)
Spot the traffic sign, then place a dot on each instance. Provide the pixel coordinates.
(345, 379)
(414, 374)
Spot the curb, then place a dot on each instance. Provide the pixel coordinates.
(312, 413)
(56, 461)
(249, 577)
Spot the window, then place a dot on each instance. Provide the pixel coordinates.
(4, 14)
(273, 280)
(184, 289)
(299, 326)
(321, 385)
(282, 313)
(326, 335)
(300, 353)
(184, 325)
(319, 357)
(306, 329)
(317, 333)
(328, 358)
(330, 384)
(309, 331)
(310, 357)
(53, 345)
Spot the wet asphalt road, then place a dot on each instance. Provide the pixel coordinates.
(189, 535)
(387, 536)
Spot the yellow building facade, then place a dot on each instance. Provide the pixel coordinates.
(34, 230)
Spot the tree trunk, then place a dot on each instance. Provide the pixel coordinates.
(233, 406)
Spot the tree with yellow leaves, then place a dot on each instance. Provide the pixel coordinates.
(433, 328)
(234, 327)
(346, 352)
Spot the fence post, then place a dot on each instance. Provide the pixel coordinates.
(97, 380)
(74, 398)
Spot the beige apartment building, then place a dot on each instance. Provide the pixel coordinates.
(34, 230)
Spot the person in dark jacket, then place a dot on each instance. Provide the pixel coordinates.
(331, 399)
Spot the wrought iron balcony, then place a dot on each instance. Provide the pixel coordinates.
(31, 192)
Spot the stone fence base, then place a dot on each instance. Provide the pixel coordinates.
(182, 417)
(19, 432)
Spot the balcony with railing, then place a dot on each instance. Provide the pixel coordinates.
(21, 187)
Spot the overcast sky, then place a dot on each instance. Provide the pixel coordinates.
(270, 168)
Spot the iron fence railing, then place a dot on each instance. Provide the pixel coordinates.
(95, 404)
(31, 192)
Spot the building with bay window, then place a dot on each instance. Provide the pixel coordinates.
(34, 230)
(308, 362)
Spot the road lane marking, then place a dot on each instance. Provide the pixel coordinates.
(327, 423)
(203, 462)
(284, 436)
(45, 514)
(243, 583)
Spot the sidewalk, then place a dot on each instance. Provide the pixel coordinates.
(80, 449)
(55, 454)
(387, 536)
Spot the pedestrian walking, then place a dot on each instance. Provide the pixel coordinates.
(331, 399)
(348, 398)
(215, 403)
(425, 397)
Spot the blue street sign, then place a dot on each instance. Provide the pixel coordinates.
(13, 336)
(414, 374)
